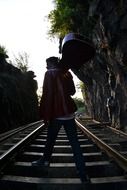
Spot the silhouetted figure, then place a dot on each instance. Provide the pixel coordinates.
(58, 109)
(110, 106)
(113, 111)
(112, 80)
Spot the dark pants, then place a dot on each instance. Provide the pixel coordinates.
(71, 131)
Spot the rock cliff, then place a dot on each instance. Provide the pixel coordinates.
(106, 75)
(18, 98)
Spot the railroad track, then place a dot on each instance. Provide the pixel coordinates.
(102, 168)
(115, 139)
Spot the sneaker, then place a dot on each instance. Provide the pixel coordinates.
(85, 179)
(41, 167)
(40, 163)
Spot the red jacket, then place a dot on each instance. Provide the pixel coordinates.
(56, 99)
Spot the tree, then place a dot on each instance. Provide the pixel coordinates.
(3, 50)
(70, 16)
(21, 61)
(80, 104)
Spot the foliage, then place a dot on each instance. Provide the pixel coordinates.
(81, 110)
(80, 85)
(80, 105)
(21, 61)
(79, 102)
(3, 50)
(70, 16)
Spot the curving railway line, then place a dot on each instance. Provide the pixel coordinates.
(104, 151)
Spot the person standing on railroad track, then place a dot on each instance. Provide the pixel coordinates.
(57, 109)
(113, 111)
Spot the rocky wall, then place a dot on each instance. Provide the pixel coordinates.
(106, 75)
(18, 97)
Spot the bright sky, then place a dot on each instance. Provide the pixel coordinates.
(24, 28)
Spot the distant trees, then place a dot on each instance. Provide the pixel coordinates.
(80, 104)
(21, 61)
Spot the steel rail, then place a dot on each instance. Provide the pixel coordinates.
(121, 160)
(119, 132)
(12, 152)
(112, 128)
(7, 135)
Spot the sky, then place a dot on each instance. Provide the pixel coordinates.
(24, 28)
